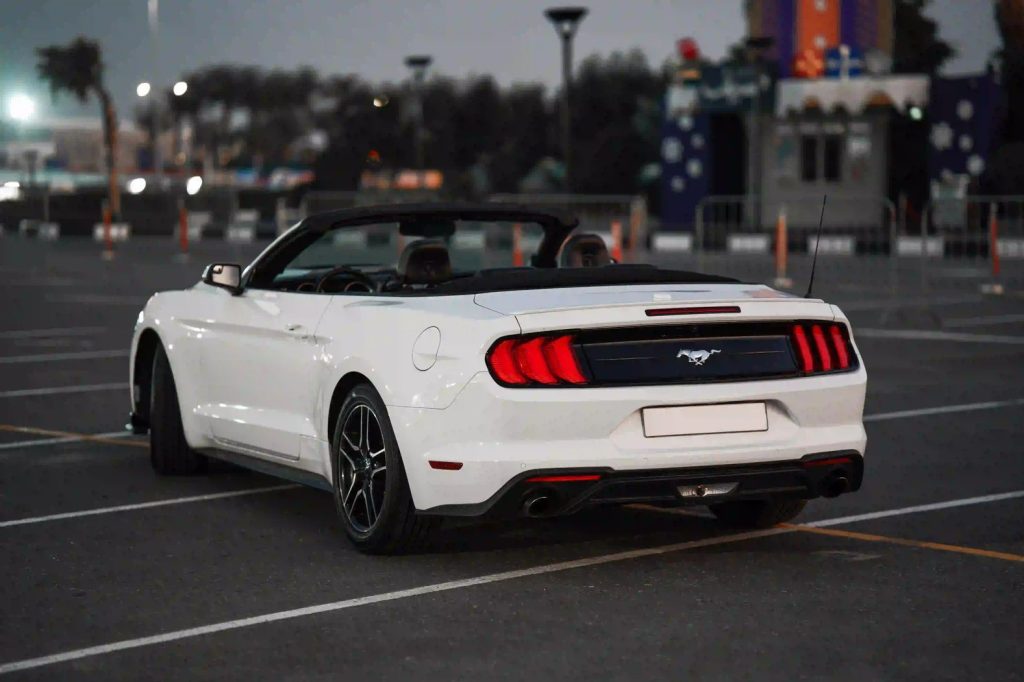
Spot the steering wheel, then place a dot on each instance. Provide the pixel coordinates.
(359, 278)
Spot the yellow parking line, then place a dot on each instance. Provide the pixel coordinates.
(70, 434)
(869, 537)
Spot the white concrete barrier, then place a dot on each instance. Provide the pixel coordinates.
(748, 243)
(243, 226)
(912, 246)
(119, 232)
(1010, 248)
(353, 237)
(40, 229)
(679, 242)
(833, 245)
(470, 240)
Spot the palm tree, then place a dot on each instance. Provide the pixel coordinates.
(78, 68)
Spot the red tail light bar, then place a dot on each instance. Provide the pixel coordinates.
(821, 347)
(547, 360)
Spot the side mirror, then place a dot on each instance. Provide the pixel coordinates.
(225, 275)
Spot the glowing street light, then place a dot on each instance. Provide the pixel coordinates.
(21, 107)
(180, 88)
(142, 89)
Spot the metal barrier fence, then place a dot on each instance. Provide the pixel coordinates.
(597, 213)
(971, 243)
(773, 240)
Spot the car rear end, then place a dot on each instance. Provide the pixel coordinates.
(646, 394)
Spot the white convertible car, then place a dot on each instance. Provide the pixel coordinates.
(421, 390)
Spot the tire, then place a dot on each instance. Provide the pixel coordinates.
(169, 452)
(758, 513)
(373, 503)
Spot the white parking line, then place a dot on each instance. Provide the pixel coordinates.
(944, 409)
(930, 335)
(57, 390)
(148, 505)
(544, 569)
(21, 444)
(54, 357)
(967, 501)
(982, 321)
(55, 331)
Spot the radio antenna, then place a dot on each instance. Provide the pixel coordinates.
(817, 243)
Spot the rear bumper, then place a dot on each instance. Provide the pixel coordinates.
(499, 435)
(825, 474)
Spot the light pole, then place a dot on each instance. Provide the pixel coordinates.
(566, 20)
(418, 64)
(757, 48)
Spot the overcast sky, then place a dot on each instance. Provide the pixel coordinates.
(509, 39)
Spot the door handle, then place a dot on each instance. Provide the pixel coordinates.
(293, 327)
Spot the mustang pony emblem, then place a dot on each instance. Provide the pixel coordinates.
(697, 357)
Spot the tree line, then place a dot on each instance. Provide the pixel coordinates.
(483, 136)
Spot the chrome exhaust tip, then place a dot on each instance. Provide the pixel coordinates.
(536, 506)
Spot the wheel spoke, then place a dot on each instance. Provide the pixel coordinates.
(371, 507)
(364, 429)
(347, 499)
(348, 458)
(354, 446)
(378, 470)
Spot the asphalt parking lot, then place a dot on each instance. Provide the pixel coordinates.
(112, 573)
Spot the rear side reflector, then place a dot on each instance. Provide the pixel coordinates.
(821, 348)
(549, 360)
(706, 310)
(565, 478)
(445, 466)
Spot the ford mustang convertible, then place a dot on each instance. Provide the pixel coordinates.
(377, 354)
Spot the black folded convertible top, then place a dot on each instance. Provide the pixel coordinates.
(509, 279)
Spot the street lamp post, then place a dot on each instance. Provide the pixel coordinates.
(566, 20)
(757, 48)
(418, 64)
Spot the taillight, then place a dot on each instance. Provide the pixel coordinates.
(839, 344)
(821, 348)
(537, 360)
(502, 363)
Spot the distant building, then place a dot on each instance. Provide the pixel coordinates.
(70, 146)
(815, 110)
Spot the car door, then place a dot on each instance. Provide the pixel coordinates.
(259, 365)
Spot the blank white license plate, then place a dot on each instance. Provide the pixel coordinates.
(693, 420)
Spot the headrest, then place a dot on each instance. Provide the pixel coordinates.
(584, 251)
(425, 261)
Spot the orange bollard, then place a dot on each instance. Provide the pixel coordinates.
(183, 227)
(108, 238)
(517, 245)
(617, 241)
(995, 287)
(781, 250)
